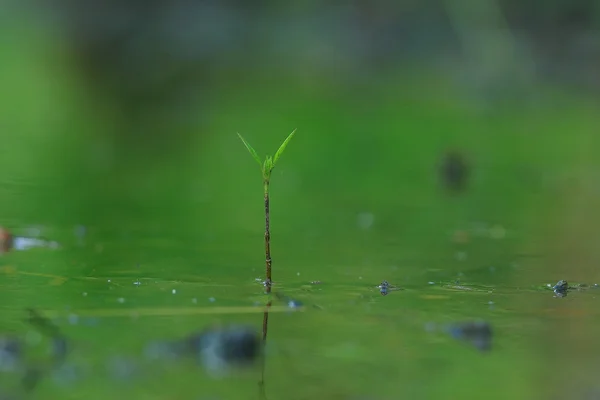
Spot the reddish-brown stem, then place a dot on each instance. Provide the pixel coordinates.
(264, 338)
(268, 283)
(267, 241)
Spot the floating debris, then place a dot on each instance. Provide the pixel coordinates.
(476, 333)
(10, 242)
(262, 281)
(561, 288)
(385, 288)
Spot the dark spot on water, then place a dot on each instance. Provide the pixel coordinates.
(10, 353)
(454, 171)
(217, 349)
(476, 333)
(235, 345)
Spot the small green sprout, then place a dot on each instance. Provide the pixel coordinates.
(266, 167)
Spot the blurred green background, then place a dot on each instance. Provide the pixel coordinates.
(121, 117)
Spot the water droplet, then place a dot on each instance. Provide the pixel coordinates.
(195, 300)
(174, 291)
(121, 300)
(84, 294)
(212, 299)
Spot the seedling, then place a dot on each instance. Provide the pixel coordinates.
(267, 167)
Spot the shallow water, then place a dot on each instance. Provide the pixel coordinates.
(347, 341)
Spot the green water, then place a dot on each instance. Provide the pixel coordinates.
(187, 224)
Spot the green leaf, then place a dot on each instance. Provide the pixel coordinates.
(251, 150)
(268, 166)
(282, 147)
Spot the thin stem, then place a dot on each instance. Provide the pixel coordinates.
(267, 239)
(265, 324)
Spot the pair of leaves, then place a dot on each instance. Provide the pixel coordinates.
(269, 163)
